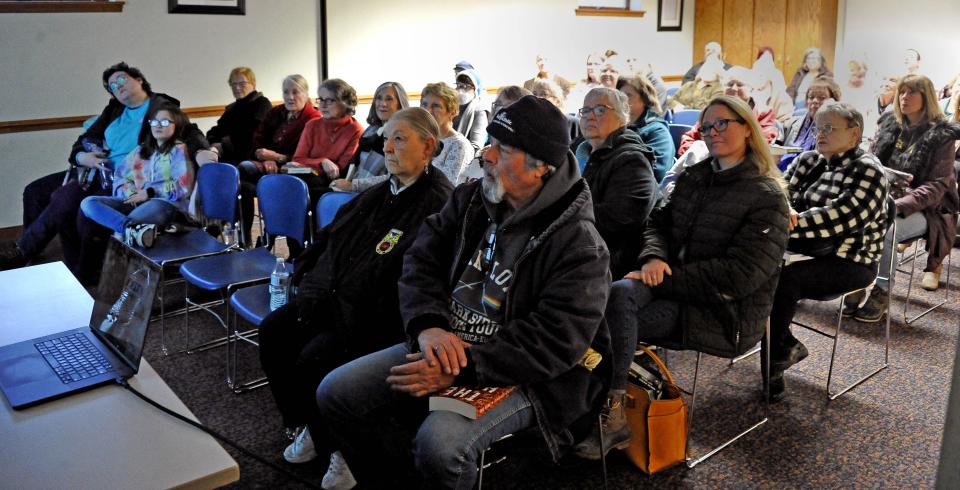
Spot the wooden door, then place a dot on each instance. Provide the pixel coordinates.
(738, 32)
(708, 17)
(809, 23)
(770, 28)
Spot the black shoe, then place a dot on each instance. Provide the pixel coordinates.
(876, 306)
(778, 388)
(851, 303)
(11, 257)
(794, 354)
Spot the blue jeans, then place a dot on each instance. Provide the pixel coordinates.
(913, 226)
(115, 214)
(632, 314)
(375, 427)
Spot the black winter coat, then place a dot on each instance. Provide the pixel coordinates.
(234, 130)
(723, 234)
(553, 311)
(624, 192)
(348, 278)
(192, 136)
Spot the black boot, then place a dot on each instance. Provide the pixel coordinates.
(11, 257)
(876, 306)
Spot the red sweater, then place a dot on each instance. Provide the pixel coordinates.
(768, 124)
(335, 139)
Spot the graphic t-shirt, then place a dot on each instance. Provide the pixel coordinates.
(477, 300)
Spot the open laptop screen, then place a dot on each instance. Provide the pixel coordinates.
(124, 300)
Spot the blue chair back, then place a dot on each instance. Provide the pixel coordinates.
(284, 202)
(676, 131)
(671, 91)
(668, 116)
(800, 112)
(801, 103)
(688, 117)
(329, 204)
(218, 185)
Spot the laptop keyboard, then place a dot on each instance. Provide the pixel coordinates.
(73, 357)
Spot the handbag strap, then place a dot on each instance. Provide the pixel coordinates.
(660, 364)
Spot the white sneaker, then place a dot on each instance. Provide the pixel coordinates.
(338, 475)
(301, 450)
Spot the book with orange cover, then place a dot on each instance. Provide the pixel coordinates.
(469, 402)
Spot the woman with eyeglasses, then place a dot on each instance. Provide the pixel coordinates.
(51, 205)
(472, 118)
(328, 143)
(705, 277)
(274, 143)
(800, 132)
(232, 136)
(838, 199)
(152, 185)
(368, 160)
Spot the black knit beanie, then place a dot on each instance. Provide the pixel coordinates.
(535, 126)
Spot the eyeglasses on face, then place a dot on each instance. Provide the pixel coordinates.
(464, 86)
(720, 125)
(241, 83)
(160, 122)
(829, 128)
(325, 100)
(597, 110)
(121, 81)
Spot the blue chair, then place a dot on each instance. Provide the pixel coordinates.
(252, 304)
(800, 103)
(668, 116)
(800, 112)
(687, 116)
(671, 91)
(284, 204)
(218, 189)
(678, 130)
(328, 205)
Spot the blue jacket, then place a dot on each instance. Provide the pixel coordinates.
(655, 133)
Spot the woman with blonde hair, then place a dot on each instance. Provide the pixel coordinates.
(706, 275)
(917, 139)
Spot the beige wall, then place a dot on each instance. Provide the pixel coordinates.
(50, 66)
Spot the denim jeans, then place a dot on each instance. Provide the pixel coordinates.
(633, 313)
(913, 226)
(375, 427)
(114, 213)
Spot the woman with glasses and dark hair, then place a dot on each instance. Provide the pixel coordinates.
(800, 132)
(705, 277)
(837, 197)
(232, 136)
(368, 162)
(51, 204)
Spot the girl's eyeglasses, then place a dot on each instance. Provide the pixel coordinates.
(160, 122)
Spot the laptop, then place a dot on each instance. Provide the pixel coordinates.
(109, 348)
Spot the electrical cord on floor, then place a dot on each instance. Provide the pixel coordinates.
(217, 435)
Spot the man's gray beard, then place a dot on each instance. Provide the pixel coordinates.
(492, 188)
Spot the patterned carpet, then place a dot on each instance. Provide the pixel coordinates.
(884, 433)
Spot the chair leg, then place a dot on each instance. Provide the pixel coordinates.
(745, 355)
(946, 294)
(483, 464)
(603, 450)
(691, 461)
(163, 314)
(836, 343)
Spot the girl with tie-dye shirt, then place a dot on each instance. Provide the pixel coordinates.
(154, 183)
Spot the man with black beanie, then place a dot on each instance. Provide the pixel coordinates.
(505, 286)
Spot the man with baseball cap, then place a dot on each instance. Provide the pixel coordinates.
(505, 286)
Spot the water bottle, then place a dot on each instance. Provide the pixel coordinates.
(279, 285)
(229, 237)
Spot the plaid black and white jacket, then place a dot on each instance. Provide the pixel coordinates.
(848, 200)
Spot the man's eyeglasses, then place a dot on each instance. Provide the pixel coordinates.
(464, 86)
(325, 101)
(121, 81)
(239, 84)
(829, 128)
(720, 125)
(597, 110)
(160, 122)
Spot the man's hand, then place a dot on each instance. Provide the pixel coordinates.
(270, 166)
(137, 197)
(91, 160)
(342, 184)
(417, 377)
(263, 154)
(443, 347)
(206, 156)
(794, 219)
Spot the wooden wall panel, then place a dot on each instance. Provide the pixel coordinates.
(770, 28)
(828, 30)
(738, 32)
(707, 25)
(810, 23)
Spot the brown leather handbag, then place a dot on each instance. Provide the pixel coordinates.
(658, 428)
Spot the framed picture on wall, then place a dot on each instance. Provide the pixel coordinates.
(669, 15)
(221, 7)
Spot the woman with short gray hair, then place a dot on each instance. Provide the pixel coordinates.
(850, 218)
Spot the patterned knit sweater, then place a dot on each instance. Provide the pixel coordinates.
(848, 201)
